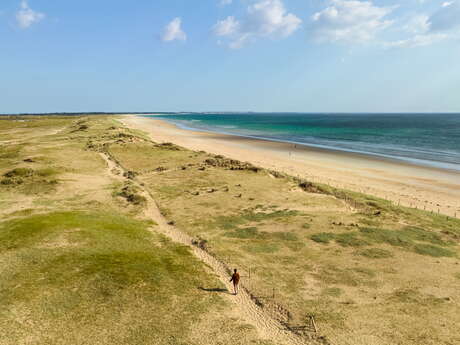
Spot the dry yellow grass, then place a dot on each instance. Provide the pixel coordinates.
(78, 262)
(369, 272)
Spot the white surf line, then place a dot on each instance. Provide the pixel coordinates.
(268, 327)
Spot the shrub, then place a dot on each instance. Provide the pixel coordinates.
(19, 172)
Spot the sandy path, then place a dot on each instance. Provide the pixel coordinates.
(267, 326)
(410, 185)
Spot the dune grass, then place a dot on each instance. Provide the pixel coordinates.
(76, 262)
(78, 266)
(409, 238)
(303, 240)
(97, 269)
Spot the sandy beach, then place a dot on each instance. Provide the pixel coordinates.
(410, 185)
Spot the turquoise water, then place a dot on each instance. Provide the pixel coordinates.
(427, 139)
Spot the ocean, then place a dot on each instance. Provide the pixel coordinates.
(424, 139)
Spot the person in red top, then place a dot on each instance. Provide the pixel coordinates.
(236, 280)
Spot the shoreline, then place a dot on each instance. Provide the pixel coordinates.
(408, 184)
(323, 148)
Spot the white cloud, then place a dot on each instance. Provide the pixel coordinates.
(173, 31)
(418, 24)
(417, 41)
(26, 17)
(350, 21)
(440, 26)
(225, 2)
(226, 27)
(265, 18)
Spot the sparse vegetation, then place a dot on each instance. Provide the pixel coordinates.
(376, 253)
(76, 262)
(30, 181)
(432, 250)
(131, 194)
(81, 252)
(408, 238)
(333, 292)
(323, 237)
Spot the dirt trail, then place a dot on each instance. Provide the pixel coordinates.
(266, 325)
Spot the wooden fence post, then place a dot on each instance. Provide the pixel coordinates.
(313, 323)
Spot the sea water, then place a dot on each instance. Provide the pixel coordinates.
(426, 139)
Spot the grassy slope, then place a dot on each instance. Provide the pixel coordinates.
(78, 265)
(370, 272)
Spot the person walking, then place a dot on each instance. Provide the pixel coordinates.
(236, 280)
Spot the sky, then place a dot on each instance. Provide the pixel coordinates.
(230, 55)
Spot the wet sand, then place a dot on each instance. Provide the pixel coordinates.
(410, 185)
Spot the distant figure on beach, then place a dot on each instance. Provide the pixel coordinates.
(236, 280)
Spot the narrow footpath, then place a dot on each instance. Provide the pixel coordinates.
(267, 326)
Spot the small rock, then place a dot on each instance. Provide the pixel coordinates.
(171, 222)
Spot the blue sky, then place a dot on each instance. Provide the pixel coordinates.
(224, 55)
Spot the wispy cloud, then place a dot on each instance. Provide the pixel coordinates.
(264, 18)
(173, 31)
(417, 41)
(227, 27)
(440, 26)
(447, 17)
(225, 2)
(418, 24)
(350, 21)
(361, 22)
(26, 17)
